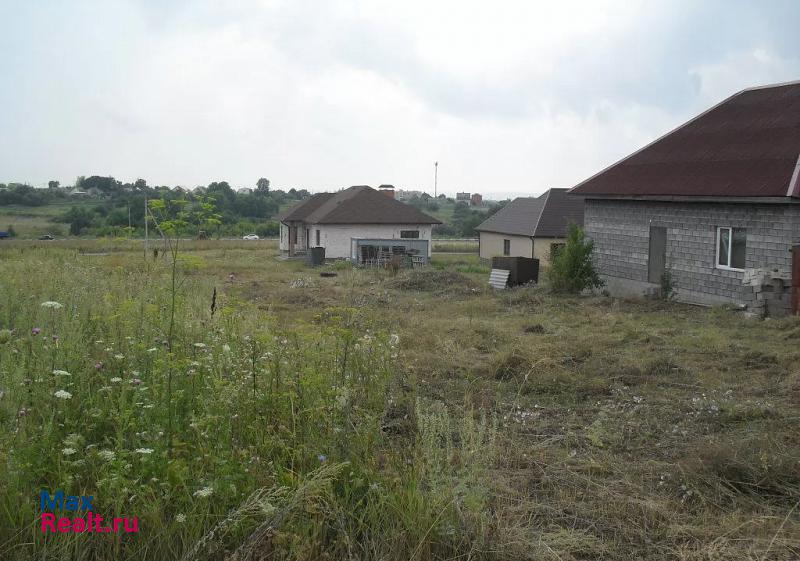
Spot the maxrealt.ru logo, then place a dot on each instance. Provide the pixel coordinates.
(89, 522)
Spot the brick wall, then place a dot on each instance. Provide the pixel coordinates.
(621, 230)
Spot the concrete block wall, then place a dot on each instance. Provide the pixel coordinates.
(621, 233)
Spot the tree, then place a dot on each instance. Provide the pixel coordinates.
(79, 219)
(140, 184)
(572, 269)
(106, 185)
(262, 186)
(53, 184)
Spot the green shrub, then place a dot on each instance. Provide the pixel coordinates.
(572, 269)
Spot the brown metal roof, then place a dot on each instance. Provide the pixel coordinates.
(547, 215)
(356, 205)
(746, 146)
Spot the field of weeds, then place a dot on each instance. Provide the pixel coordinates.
(287, 415)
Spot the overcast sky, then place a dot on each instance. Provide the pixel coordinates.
(509, 97)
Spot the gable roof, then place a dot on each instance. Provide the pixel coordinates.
(547, 215)
(746, 146)
(356, 205)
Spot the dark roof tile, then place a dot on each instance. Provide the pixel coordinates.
(746, 146)
(547, 215)
(356, 205)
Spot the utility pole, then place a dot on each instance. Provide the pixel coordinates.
(435, 178)
(145, 228)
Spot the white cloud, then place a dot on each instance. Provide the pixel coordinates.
(509, 97)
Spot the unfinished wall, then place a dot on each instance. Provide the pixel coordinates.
(521, 246)
(492, 245)
(336, 238)
(300, 244)
(621, 233)
(541, 249)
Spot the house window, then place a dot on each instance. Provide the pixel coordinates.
(555, 249)
(506, 247)
(731, 245)
(409, 233)
(317, 238)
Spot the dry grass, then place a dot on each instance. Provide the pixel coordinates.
(624, 429)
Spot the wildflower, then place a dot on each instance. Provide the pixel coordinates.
(204, 492)
(136, 381)
(68, 451)
(98, 365)
(226, 348)
(394, 339)
(322, 457)
(180, 518)
(61, 373)
(62, 394)
(107, 455)
(52, 305)
(36, 330)
(144, 450)
(55, 338)
(200, 345)
(119, 357)
(115, 380)
(152, 350)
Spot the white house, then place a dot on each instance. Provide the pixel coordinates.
(354, 224)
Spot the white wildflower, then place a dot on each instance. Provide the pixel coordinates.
(119, 357)
(107, 455)
(226, 348)
(68, 451)
(204, 492)
(61, 373)
(62, 394)
(52, 305)
(394, 339)
(115, 380)
(152, 350)
(200, 345)
(180, 518)
(144, 450)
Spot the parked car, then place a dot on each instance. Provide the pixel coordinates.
(250, 237)
(46, 237)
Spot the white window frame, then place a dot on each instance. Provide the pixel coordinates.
(730, 248)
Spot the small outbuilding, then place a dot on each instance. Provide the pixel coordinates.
(531, 226)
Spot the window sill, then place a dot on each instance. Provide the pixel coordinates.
(724, 268)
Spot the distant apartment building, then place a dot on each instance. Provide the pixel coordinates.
(463, 196)
(406, 195)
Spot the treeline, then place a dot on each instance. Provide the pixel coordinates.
(105, 206)
(464, 221)
(101, 206)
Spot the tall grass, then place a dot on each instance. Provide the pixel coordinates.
(257, 409)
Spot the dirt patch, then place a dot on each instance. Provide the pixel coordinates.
(434, 281)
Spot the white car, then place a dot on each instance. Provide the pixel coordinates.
(250, 237)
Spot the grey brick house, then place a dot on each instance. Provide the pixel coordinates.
(716, 202)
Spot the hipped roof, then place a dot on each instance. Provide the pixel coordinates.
(356, 205)
(746, 146)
